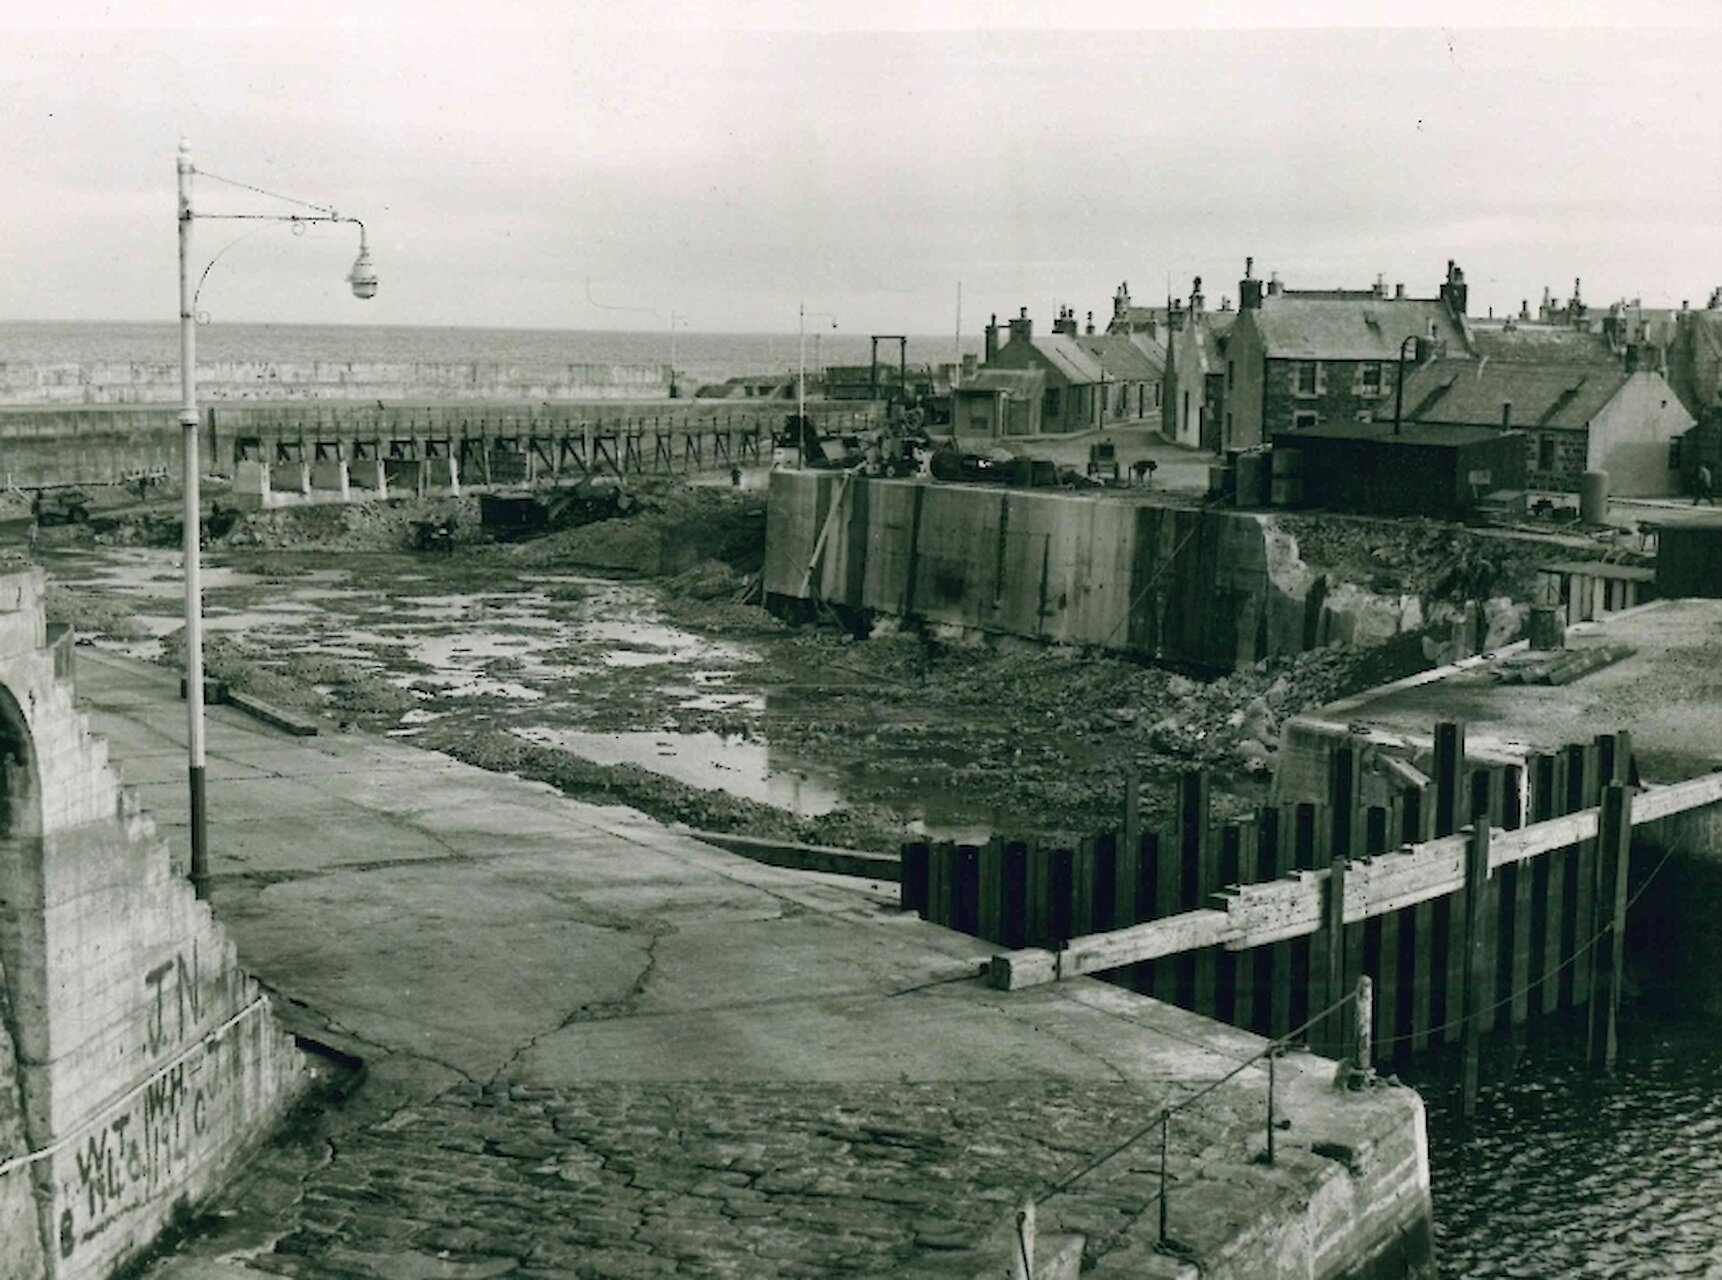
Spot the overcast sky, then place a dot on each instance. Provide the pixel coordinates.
(554, 169)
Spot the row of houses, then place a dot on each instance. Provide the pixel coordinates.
(1604, 389)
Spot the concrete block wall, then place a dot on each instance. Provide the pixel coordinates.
(147, 1060)
(1214, 589)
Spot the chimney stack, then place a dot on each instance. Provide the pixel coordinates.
(1274, 285)
(1454, 291)
(1121, 301)
(1380, 285)
(991, 348)
(1506, 415)
(1197, 301)
(1090, 323)
(1250, 289)
(969, 364)
(1022, 327)
(1399, 292)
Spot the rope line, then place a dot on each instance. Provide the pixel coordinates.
(102, 1113)
(1166, 1112)
(1582, 949)
(273, 195)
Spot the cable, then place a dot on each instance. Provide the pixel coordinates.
(1166, 1112)
(1578, 951)
(246, 186)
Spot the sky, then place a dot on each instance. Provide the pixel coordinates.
(530, 164)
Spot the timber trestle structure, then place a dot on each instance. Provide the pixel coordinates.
(511, 448)
(1485, 895)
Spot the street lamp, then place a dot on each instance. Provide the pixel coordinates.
(363, 279)
(801, 375)
(1399, 380)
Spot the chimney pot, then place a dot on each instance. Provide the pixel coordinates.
(1399, 291)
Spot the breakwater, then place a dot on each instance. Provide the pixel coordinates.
(239, 381)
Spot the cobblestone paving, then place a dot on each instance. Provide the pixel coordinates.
(754, 1181)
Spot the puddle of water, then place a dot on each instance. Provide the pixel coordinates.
(715, 762)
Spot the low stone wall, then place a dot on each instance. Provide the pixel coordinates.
(226, 381)
(144, 1061)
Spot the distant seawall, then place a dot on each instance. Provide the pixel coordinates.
(238, 381)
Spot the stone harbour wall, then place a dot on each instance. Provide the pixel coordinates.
(146, 1061)
(228, 381)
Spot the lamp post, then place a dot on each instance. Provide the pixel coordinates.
(801, 314)
(363, 278)
(1399, 380)
(676, 320)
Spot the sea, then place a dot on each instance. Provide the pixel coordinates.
(697, 357)
(1564, 1172)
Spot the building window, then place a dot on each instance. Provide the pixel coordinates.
(1053, 404)
(1306, 377)
(1372, 378)
(1185, 422)
(1303, 419)
(1231, 375)
(1545, 453)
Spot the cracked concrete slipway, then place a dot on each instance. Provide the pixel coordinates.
(596, 1047)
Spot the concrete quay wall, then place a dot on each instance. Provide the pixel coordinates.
(226, 381)
(143, 1061)
(1207, 588)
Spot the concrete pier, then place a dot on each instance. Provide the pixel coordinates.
(597, 1047)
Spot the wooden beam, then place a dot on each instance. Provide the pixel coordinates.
(1254, 915)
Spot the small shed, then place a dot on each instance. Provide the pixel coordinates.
(1440, 472)
(994, 403)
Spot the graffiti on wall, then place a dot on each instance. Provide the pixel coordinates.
(150, 1143)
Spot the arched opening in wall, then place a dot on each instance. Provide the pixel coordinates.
(21, 882)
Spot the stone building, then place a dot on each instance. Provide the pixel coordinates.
(1301, 358)
(1581, 406)
(1092, 380)
(1193, 404)
(994, 403)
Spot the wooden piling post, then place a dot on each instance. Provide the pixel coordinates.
(1582, 793)
(1305, 973)
(1238, 968)
(913, 888)
(992, 890)
(1449, 975)
(1381, 948)
(1169, 900)
(1614, 848)
(1548, 892)
(1479, 989)
(1037, 896)
(1331, 1029)
(1363, 1025)
(1202, 880)
(1274, 857)
(1083, 861)
(941, 883)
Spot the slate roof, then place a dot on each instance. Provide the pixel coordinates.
(1125, 357)
(1557, 396)
(1097, 357)
(1544, 343)
(1410, 433)
(1018, 384)
(1342, 326)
